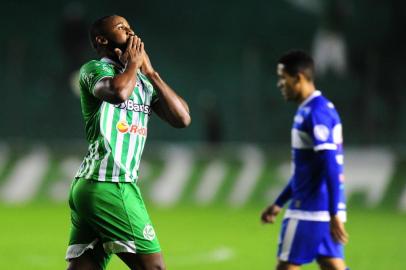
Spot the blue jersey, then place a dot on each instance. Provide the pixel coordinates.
(316, 188)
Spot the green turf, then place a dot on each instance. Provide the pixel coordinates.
(35, 236)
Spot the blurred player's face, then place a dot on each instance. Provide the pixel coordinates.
(117, 31)
(289, 85)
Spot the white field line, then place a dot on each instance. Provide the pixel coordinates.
(368, 170)
(168, 188)
(210, 182)
(4, 153)
(402, 201)
(284, 172)
(60, 189)
(24, 181)
(219, 254)
(253, 164)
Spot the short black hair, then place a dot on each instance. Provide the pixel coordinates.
(298, 61)
(97, 29)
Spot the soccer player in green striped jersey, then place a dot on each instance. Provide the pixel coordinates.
(118, 94)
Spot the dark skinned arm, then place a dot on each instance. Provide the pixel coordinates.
(170, 107)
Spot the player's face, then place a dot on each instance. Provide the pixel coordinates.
(117, 31)
(287, 84)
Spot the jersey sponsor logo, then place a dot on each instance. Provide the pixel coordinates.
(123, 127)
(298, 119)
(148, 232)
(321, 132)
(130, 105)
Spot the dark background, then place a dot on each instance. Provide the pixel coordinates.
(219, 55)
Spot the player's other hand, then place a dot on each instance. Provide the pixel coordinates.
(337, 230)
(133, 54)
(146, 67)
(270, 213)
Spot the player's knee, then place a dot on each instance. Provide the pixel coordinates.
(153, 262)
(286, 266)
(331, 264)
(81, 263)
(156, 265)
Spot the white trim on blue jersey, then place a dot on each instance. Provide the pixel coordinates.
(288, 239)
(314, 215)
(301, 140)
(309, 98)
(316, 127)
(325, 146)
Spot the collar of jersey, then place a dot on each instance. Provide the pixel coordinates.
(114, 63)
(309, 98)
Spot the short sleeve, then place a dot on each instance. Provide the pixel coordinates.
(92, 72)
(322, 129)
(155, 96)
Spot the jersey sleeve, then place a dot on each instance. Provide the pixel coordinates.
(324, 129)
(285, 195)
(332, 172)
(93, 72)
(154, 97)
(321, 129)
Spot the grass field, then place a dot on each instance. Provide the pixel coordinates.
(34, 237)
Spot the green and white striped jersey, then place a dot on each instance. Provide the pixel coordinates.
(116, 133)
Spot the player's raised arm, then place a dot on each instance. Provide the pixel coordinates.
(169, 106)
(118, 89)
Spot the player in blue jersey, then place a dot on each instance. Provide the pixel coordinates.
(313, 226)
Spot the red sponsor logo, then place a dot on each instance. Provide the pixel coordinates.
(124, 127)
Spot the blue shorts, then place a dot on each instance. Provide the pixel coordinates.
(302, 241)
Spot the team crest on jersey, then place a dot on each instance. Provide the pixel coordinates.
(148, 232)
(298, 119)
(321, 132)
